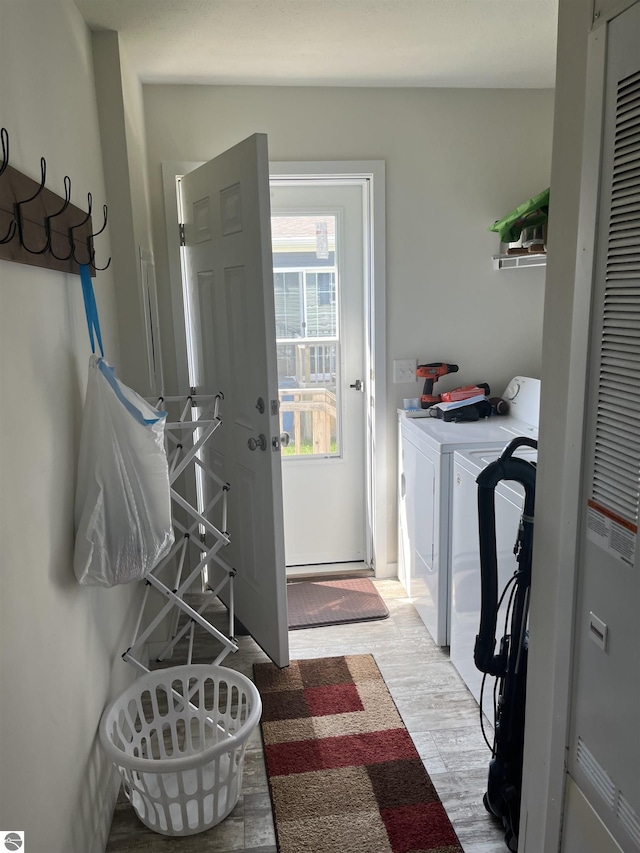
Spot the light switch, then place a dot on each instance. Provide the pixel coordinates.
(404, 370)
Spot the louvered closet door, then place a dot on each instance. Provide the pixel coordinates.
(617, 449)
(604, 755)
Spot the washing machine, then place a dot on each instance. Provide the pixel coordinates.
(425, 484)
(465, 557)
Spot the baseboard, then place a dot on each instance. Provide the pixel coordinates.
(387, 571)
(105, 817)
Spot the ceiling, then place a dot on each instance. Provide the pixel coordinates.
(446, 43)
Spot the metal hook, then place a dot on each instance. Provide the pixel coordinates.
(18, 210)
(11, 233)
(4, 137)
(79, 225)
(47, 222)
(105, 212)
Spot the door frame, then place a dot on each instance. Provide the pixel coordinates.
(546, 738)
(372, 172)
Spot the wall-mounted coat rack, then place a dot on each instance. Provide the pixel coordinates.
(39, 227)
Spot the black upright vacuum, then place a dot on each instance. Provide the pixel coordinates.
(509, 665)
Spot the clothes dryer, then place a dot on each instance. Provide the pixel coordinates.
(425, 468)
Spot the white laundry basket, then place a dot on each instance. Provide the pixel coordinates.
(178, 736)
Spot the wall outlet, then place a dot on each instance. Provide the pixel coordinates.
(404, 370)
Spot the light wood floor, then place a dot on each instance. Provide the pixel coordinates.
(438, 711)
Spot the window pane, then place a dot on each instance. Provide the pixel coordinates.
(320, 293)
(287, 289)
(305, 293)
(307, 390)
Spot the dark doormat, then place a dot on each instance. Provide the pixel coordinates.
(313, 604)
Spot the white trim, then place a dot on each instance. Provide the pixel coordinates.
(148, 293)
(575, 424)
(170, 173)
(107, 809)
(604, 11)
(555, 747)
(374, 172)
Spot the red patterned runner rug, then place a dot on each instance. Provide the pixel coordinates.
(344, 774)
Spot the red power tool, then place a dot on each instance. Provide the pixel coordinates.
(431, 373)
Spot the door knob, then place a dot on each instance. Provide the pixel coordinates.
(358, 385)
(259, 442)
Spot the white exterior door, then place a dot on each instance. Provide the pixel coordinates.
(229, 281)
(319, 256)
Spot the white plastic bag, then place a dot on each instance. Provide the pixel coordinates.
(123, 503)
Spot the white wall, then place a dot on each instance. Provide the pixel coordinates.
(60, 643)
(456, 160)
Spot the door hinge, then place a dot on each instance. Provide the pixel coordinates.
(181, 228)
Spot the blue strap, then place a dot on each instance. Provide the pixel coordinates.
(109, 374)
(90, 308)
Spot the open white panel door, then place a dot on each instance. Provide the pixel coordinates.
(229, 275)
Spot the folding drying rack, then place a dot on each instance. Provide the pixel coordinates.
(186, 438)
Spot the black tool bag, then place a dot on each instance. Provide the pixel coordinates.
(472, 412)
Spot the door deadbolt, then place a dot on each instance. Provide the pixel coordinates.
(259, 442)
(358, 385)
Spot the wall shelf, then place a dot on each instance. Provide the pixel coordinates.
(507, 262)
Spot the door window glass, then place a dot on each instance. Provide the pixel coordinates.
(306, 299)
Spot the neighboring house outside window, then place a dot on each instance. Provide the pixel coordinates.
(307, 332)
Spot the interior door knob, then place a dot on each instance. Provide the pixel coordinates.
(358, 385)
(259, 442)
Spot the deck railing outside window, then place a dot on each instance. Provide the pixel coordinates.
(308, 406)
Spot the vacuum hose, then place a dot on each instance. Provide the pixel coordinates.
(507, 467)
